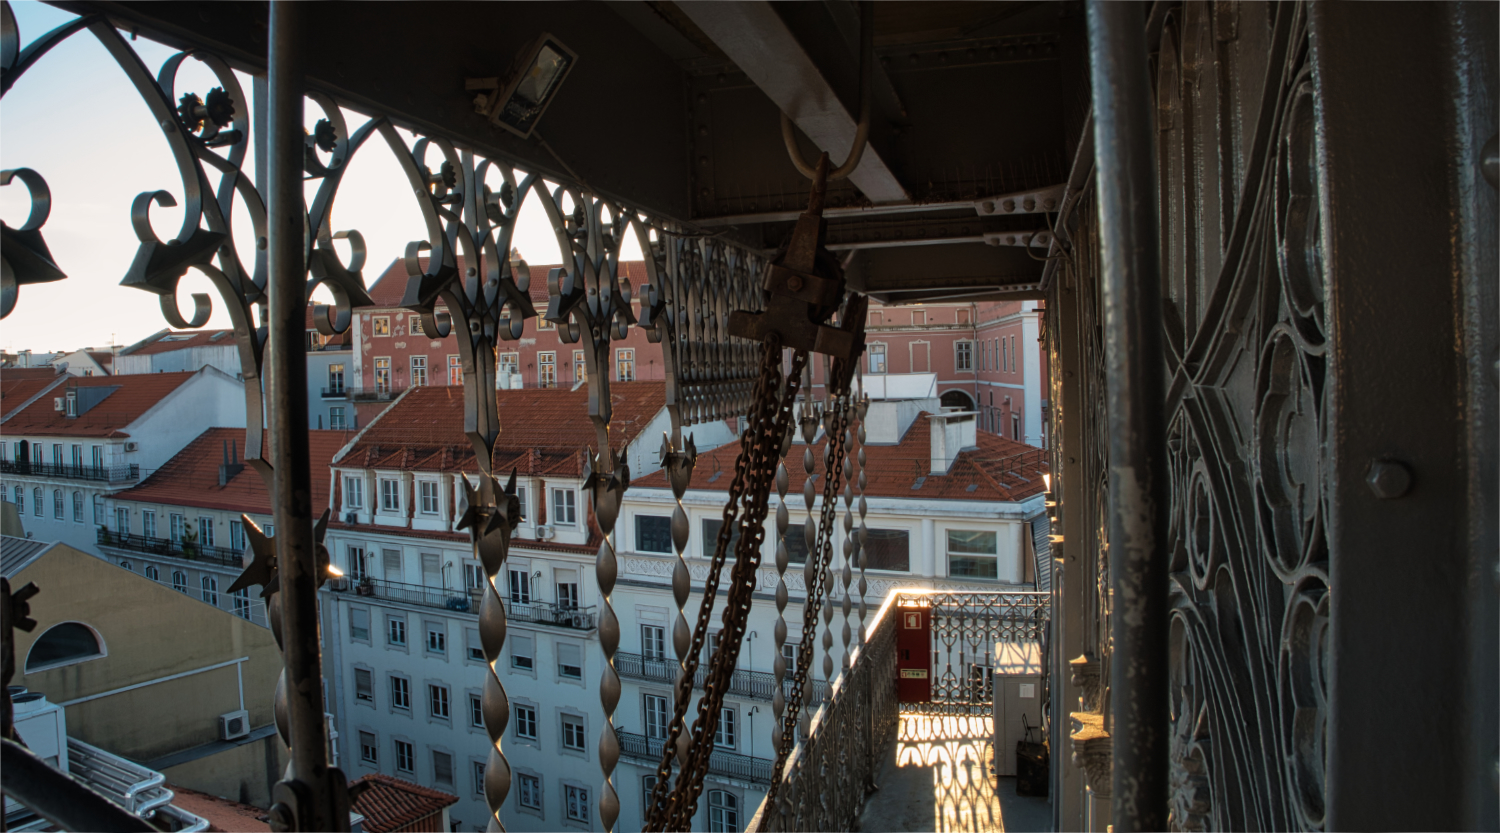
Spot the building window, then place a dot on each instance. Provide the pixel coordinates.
(476, 711)
(888, 549)
(455, 371)
(429, 493)
(390, 495)
(567, 589)
(474, 577)
(963, 356)
(405, 757)
(572, 732)
(653, 533)
(473, 645)
(57, 504)
(1012, 354)
(973, 554)
(576, 803)
(711, 529)
(437, 702)
(364, 685)
(654, 642)
(418, 371)
(531, 791)
(210, 590)
(544, 324)
(335, 379)
(356, 561)
(564, 510)
(437, 638)
(359, 623)
(383, 375)
(510, 365)
(178, 527)
(127, 566)
(522, 502)
(20, 501)
(580, 367)
(400, 693)
(520, 653)
(876, 352)
(63, 644)
(546, 370)
(148, 523)
(241, 598)
(152, 572)
(205, 529)
(1004, 356)
(77, 452)
(625, 364)
(122, 521)
(520, 586)
(392, 564)
(336, 418)
(723, 812)
(442, 768)
(368, 747)
(380, 325)
(648, 786)
(525, 722)
(478, 772)
(237, 536)
(354, 493)
(655, 708)
(395, 633)
(569, 661)
(78, 507)
(727, 732)
(36, 501)
(179, 581)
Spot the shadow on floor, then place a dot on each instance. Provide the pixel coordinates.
(940, 776)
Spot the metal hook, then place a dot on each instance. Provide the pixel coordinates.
(862, 132)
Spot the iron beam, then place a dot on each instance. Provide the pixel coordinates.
(308, 798)
(1124, 150)
(1034, 201)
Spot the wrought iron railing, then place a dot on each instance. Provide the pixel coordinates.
(721, 762)
(375, 393)
(335, 392)
(186, 550)
(101, 474)
(756, 685)
(828, 774)
(467, 601)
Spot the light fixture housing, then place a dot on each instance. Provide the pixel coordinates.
(531, 87)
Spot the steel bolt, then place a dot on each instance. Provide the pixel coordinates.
(794, 283)
(1388, 479)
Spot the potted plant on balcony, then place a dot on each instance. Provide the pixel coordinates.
(104, 537)
(189, 542)
(366, 587)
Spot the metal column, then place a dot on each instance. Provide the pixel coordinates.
(313, 796)
(1124, 152)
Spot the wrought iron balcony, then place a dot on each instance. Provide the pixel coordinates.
(755, 685)
(99, 474)
(335, 392)
(467, 601)
(189, 551)
(642, 749)
(375, 393)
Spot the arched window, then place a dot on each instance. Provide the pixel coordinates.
(57, 504)
(36, 501)
(20, 501)
(179, 581)
(242, 603)
(210, 590)
(723, 812)
(127, 565)
(78, 507)
(956, 399)
(152, 573)
(64, 644)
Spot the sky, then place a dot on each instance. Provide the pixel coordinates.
(76, 119)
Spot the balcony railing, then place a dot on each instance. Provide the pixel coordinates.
(723, 763)
(101, 474)
(467, 601)
(827, 776)
(335, 392)
(175, 549)
(756, 685)
(375, 393)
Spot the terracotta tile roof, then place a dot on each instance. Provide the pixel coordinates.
(391, 286)
(542, 431)
(174, 340)
(103, 357)
(20, 384)
(132, 397)
(9, 374)
(1000, 470)
(191, 477)
(390, 803)
(222, 814)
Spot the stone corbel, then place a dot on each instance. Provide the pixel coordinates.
(1085, 675)
(1093, 752)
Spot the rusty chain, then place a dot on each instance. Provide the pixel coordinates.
(759, 450)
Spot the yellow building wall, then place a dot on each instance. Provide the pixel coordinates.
(149, 632)
(242, 773)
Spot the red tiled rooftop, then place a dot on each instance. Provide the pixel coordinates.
(1000, 470)
(221, 813)
(20, 384)
(134, 396)
(542, 431)
(191, 477)
(389, 289)
(391, 803)
(195, 338)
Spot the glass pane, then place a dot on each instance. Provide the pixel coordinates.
(796, 543)
(653, 533)
(888, 549)
(971, 541)
(711, 527)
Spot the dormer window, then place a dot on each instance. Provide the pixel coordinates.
(72, 404)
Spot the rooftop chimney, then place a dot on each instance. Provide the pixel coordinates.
(952, 432)
(231, 465)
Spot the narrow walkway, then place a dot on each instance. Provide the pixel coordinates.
(940, 776)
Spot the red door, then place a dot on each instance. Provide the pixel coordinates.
(914, 655)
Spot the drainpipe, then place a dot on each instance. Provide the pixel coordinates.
(1131, 280)
(974, 349)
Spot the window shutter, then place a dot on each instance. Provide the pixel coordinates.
(520, 646)
(432, 570)
(569, 655)
(392, 560)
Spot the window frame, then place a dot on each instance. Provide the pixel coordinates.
(410, 755)
(572, 726)
(422, 497)
(400, 687)
(439, 702)
(963, 356)
(640, 537)
(369, 753)
(564, 502)
(993, 558)
(414, 365)
(874, 349)
(380, 326)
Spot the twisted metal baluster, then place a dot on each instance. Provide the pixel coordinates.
(783, 522)
(490, 523)
(851, 543)
(864, 508)
(830, 409)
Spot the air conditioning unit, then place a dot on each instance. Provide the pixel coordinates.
(58, 404)
(234, 725)
(351, 517)
(132, 446)
(544, 532)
